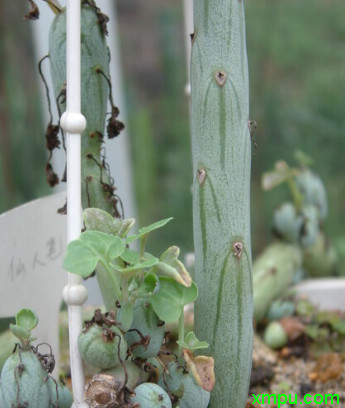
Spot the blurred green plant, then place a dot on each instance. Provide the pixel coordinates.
(326, 328)
(302, 247)
(297, 97)
(21, 149)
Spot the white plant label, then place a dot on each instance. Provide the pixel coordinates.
(33, 245)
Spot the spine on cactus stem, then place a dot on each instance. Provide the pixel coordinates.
(221, 148)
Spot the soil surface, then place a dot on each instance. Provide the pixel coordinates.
(303, 377)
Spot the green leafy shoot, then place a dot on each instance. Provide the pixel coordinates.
(191, 342)
(132, 275)
(171, 298)
(26, 320)
(92, 247)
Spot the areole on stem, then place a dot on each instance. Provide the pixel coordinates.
(221, 147)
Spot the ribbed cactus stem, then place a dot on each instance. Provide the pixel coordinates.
(221, 148)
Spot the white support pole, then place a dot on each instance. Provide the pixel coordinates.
(188, 29)
(73, 122)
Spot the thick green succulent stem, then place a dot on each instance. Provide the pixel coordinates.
(96, 185)
(221, 149)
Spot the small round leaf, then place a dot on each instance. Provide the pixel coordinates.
(27, 319)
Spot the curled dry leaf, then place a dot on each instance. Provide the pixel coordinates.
(293, 327)
(202, 368)
(33, 13)
(171, 266)
(329, 366)
(281, 173)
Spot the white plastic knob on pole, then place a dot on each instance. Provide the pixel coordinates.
(73, 122)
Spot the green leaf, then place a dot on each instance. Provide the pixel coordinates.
(166, 270)
(170, 266)
(132, 238)
(191, 342)
(80, 259)
(328, 316)
(145, 230)
(133, 257)
(92, 247)
(24, 335)
(147, 263)
(323, 334)
(27, 319)
(339, 327)
(149, 286)
(96, 219)
(169, 301)
(103, 245)
(305, 308)
(130, 256)
(312, 330)
(154, 226)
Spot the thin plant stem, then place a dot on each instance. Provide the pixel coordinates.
(181, 331)
(296, 195)
(142, 246)
(113, 279)
(125, 279)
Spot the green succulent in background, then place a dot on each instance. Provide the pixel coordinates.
(325, 328)
(275, 336)
(301, 250)
(302, 220)
(273, 273)
(313, 191)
